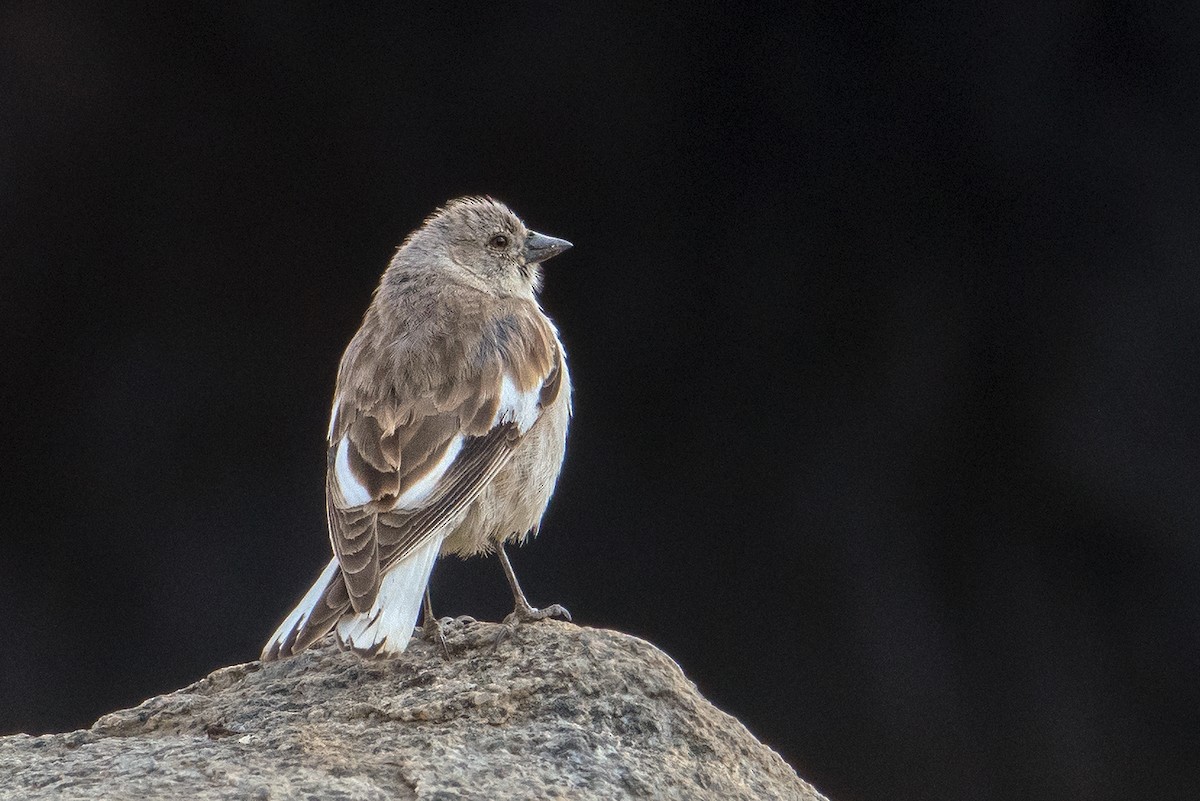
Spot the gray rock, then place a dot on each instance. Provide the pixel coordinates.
(554, 711)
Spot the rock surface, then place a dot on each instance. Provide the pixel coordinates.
(554, 711)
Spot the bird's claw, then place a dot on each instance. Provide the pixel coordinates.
(528, 614)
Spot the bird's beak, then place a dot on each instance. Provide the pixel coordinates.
(539, 247)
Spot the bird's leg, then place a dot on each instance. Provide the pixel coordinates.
(522, 612)
(431, 627)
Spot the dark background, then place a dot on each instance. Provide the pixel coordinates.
(884, 327)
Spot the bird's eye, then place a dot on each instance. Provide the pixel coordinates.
(498, 241)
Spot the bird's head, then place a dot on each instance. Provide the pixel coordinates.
(488, 242)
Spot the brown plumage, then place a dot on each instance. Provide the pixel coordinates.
(448, 426)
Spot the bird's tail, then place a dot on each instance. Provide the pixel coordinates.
(313, 618)
(388, 625)
(384, 628)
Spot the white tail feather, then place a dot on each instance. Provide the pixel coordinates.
(388, 625)
(303, 611)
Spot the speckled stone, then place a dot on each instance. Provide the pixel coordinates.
(555, 711)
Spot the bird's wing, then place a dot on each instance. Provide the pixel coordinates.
(403, 462)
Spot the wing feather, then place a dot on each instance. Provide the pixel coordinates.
(409, 453)
(401, 533)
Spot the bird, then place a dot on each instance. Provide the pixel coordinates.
(447, 432)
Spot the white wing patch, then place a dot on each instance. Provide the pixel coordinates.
(353, 493)
(417, 493)
(517, 407)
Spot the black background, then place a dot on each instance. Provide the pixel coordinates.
(883, 325)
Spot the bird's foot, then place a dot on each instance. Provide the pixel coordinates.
(524, 613)
(433, 630)
(528, 614)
